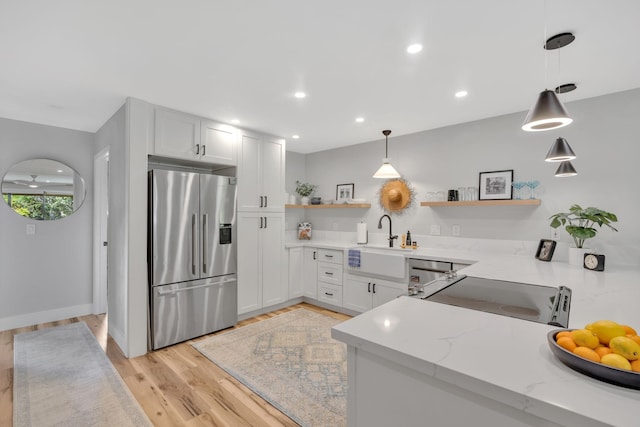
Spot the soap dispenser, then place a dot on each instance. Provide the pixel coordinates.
(408, 241)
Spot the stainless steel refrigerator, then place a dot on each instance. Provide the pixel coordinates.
(191, 255)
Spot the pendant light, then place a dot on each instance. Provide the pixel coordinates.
(386, 171)
(560, 151)
(548, 112)
(566, 169)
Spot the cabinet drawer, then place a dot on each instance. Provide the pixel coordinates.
(330, 255)
(330, 273)
(331, 294)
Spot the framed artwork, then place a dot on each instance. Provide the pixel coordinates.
(545, 250)
(344, 191)
(496, 185)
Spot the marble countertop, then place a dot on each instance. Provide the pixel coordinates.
(505, 358)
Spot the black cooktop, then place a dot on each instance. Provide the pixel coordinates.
(536, 303)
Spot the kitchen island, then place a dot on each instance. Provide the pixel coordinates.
(414, 362)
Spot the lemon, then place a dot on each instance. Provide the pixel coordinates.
(625, 347)
(606, 329)
(585, 338)
(616, 361)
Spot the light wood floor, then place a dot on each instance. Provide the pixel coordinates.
(176, 386)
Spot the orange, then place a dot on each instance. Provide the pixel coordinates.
(587, 353)
(601, 351)
(629, 330)
(566, 343)
(563, 334)
(635, 365)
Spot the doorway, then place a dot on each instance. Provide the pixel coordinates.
(100, 228)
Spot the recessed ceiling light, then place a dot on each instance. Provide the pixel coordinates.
(235, 121)
(461, 94)
(295, 136)
(414, 48)
(359, 119)
(300, 95)
(60, 171)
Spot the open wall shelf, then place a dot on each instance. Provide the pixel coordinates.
(341, 206)
(527, 202)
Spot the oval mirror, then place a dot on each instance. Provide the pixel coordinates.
(43, 189)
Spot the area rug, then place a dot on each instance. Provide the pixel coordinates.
(291, 361)
(62, 377)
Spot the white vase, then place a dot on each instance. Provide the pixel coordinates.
(304, 200)
(576, 256)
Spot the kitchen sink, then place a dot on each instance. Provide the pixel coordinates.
(379, 262)
(383, 249)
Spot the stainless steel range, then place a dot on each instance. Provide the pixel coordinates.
(542, 304)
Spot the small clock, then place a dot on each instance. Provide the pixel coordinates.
(594, 262)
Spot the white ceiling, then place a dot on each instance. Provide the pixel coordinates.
(72, 63)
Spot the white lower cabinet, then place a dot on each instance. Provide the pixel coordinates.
(262, 280)
(310, 272)
(361, 293)
(296, 272)
(329, 293)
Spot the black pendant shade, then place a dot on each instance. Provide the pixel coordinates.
(560, 151)
(546, 114)
(566, 169)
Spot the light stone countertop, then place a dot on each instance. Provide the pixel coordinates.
(504, 358)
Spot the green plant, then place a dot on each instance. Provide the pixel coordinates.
(304, 189)
(580, 222)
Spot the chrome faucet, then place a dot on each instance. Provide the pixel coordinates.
(391, 236)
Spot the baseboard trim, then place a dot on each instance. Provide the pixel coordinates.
(36, 318)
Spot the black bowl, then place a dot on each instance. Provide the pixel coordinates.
(595, 370)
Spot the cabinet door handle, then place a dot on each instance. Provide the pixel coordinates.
(204, 150)
(261, 222)
(261, 202)
(369, 287)
(266, 201)
(328, 294)
(197, 149)
(314, 255)
(374, 288)
(328, 273)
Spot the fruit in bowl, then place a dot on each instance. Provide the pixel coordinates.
(604, 341)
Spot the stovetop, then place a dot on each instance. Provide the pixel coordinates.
(536, 303)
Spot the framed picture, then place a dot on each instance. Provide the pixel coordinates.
(496, 185)
(344, 191)
(545, 250)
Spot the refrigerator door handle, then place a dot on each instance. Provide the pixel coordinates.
(193, 243)
(205, 242)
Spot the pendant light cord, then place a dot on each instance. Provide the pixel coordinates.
(544, 20)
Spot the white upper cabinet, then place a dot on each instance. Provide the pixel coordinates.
(261, 173)
(218, 142)
(183, 136)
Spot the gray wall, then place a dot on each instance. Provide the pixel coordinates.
(46, 276)
(113, 135)
(603, 135)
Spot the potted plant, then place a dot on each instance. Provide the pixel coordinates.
(304, 190)
(580, 224)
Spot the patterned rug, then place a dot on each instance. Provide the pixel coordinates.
(291, 361)
(62, 377)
